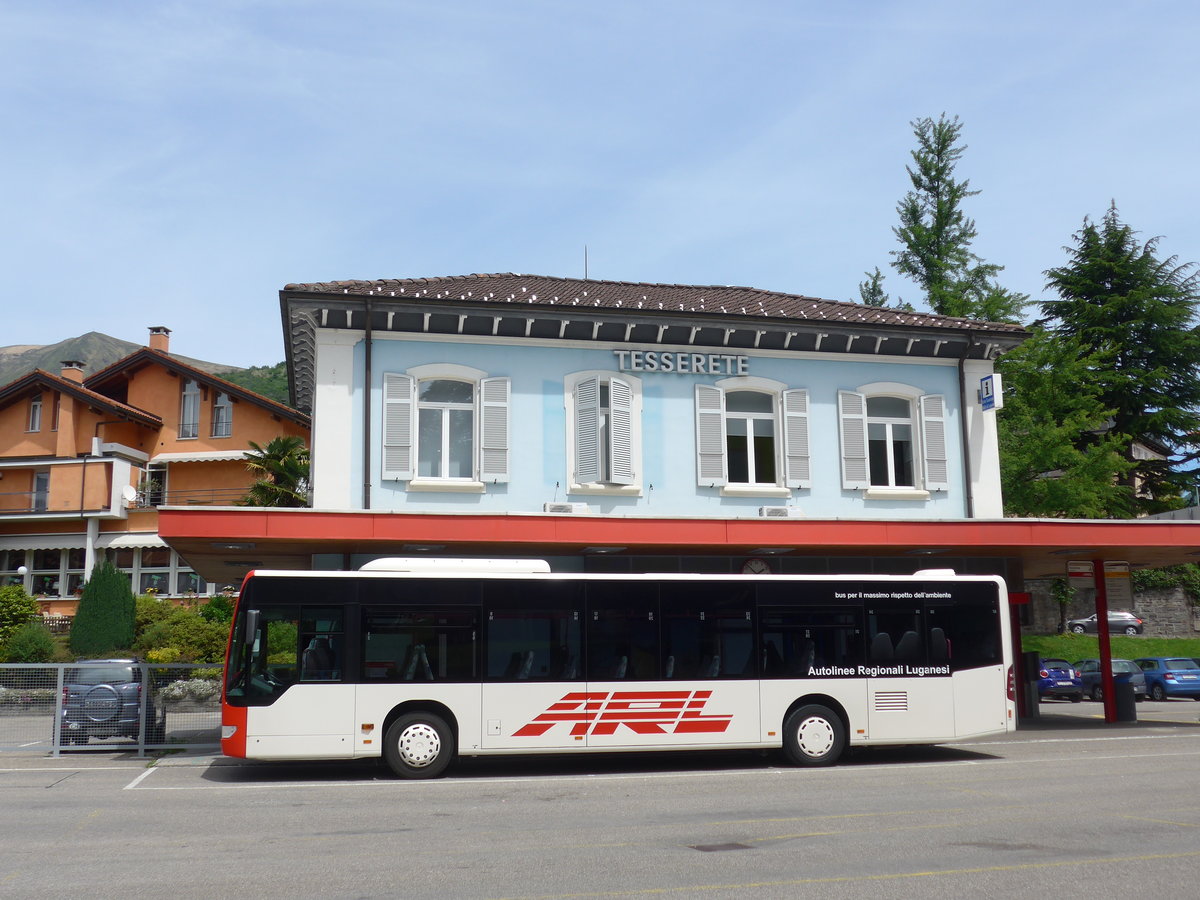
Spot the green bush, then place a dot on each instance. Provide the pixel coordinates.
(105, 619)
(185, 631)
(147, 610)
(16, 608)
(163, 655)
(30, 643)
(218, 609)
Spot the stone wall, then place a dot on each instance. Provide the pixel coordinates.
(1167, 613)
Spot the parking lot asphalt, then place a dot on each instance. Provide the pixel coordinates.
(1054, 719)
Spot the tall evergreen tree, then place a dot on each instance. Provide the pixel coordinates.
(936, 234)
(1051, 399)
(104, 620)
(1120, 301)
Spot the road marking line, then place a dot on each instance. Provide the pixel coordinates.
(140, 779)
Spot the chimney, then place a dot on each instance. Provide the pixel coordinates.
(72, 370)
(160, 338)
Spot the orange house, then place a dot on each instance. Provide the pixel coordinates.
(85, 464)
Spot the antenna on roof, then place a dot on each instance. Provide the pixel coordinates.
(585, 278)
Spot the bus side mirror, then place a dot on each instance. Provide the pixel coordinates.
(251, 632)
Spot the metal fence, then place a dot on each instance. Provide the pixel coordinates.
(109, 706)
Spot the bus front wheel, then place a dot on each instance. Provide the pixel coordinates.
(418, 745)
(813, 736)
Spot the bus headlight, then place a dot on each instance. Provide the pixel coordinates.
(228, 731)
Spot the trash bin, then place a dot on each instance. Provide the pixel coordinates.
(1126, 702)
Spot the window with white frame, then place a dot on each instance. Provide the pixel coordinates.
(752, 432)
(603, 431)
(445, 425)
(893, 437)
(35, 413)
(189, 410)
(222, 415)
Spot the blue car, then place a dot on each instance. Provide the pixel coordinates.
(1171, 676)
(1124, 672)
(1059, 680)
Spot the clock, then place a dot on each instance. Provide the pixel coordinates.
(756, 567)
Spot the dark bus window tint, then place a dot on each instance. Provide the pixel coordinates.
(622, 631)
(966, 634)
(894, 634)
(534, 630)
(420, 592)
(707, 630)
(802, 642)
(265, 667)
(401, 644)
(321, 639)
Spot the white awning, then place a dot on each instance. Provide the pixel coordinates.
(129, 540)
(43, 541)
(199, 456)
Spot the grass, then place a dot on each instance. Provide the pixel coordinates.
(1072, 647)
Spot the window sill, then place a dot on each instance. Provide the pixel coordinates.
(754, 490)
(612, 490)
(882, 493)
(457, 487)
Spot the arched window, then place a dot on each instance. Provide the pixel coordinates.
(445, 424)
(752, 432)
(893, 437)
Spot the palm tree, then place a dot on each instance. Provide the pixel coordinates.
(281, 473)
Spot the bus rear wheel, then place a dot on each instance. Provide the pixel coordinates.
(813, 736)
(418, 745)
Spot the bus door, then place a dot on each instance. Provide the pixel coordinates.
(670, 664)
(533, 685)
(300, 700)
(908, 697)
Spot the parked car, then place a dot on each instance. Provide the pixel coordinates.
(1118, 623)
(1059, 680)
(102, 698)
(1171, 676)
(1125, 671)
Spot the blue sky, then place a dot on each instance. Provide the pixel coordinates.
(177, 163)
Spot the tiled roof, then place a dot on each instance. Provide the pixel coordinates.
(720, 300)
(93, 398)
(148, 355)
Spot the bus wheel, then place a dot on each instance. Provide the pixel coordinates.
(418, 745)
(813, 736)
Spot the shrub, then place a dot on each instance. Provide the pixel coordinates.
(185, 631)
(195, 690)
(147, 610)
(16, 608)
(104, 622)
(218, 609)
(30, 643)
(163, 655)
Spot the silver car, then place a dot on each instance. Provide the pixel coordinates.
(1125, 671)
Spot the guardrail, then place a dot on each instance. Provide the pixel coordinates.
(46, 707)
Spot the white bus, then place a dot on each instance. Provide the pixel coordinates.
(472, 658)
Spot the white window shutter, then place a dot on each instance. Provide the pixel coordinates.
(933, 440)
(398, 406)
(852, 426)
(710, 436)
(587, 431)
(797, 472)
(620, 431)
(493, 430)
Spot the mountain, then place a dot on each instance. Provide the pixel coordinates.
(94, 350)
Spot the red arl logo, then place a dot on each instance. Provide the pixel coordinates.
(644, 712)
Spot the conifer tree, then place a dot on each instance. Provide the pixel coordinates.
(104, 620)
(1140, 313)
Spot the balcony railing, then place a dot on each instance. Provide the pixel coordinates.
(199, 497)
(23, 502)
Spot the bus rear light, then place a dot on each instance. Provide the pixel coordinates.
(1012, 684)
